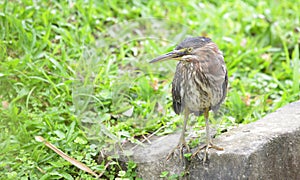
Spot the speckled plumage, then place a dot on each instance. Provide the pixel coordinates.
(199, 85)
(201, 81)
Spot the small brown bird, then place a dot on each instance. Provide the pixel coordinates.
(199, 85)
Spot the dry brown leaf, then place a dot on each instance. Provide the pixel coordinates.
(73, 161)
(5, 104)
(154, 84)
(247, 99)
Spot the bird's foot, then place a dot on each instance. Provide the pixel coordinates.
(206, 147)
(181, 146)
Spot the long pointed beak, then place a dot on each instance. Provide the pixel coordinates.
(176, 54)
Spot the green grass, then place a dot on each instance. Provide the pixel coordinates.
(77, 73)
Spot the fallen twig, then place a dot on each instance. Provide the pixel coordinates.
(73, 161)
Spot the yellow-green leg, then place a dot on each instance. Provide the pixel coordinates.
(209, 143)
(182, 143)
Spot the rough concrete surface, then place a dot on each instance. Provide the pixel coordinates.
(266, 149)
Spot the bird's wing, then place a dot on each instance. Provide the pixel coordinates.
(214, 69)
(218, 73)
(177, 95)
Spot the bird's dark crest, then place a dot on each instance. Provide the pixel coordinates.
(193, 42)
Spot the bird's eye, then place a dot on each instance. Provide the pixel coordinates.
(190, 49)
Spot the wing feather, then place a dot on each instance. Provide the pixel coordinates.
(178, 105)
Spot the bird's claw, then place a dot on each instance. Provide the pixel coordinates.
(180, 147)
(206, 147)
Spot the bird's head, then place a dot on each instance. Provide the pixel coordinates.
(188, 47)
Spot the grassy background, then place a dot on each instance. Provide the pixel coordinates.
(77, 73)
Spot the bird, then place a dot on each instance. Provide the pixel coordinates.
(199, 84)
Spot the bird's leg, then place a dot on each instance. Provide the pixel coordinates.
(209, 143)
(182, 143)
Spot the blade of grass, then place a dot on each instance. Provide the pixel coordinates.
(296, 67)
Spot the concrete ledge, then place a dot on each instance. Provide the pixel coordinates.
(266, 149)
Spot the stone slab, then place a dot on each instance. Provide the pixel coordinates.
(266, 149)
